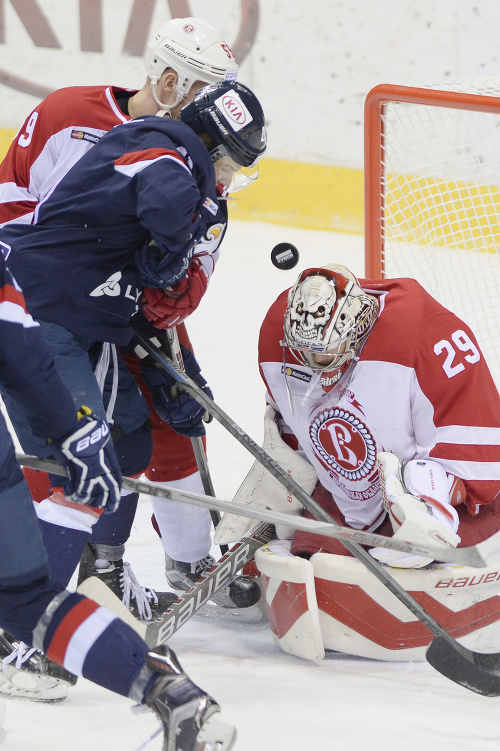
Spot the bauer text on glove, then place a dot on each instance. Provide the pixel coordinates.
(94, 475)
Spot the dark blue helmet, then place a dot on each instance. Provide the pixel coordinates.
(232, 118)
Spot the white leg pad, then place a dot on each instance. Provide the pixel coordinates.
(359, 616)
(290, 598)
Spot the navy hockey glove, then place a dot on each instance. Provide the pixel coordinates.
(179, 409)
(89, 457)
(161, 268)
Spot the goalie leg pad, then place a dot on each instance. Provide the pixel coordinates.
(290, 599)
(359, 616)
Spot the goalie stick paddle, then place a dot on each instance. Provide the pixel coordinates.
(466, 671)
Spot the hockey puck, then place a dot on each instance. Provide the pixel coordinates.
(285, 256)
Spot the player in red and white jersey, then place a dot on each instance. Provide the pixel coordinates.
(53, 137)
(381, 405)
(409, 379)
(181, 57)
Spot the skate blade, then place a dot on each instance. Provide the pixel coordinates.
(215, 735)
(27, 686)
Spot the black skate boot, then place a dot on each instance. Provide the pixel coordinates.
(28, 674)
(144, 603)
(190, 717)
(240, 592)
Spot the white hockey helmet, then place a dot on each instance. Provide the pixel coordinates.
(194, 50)
(328, 314)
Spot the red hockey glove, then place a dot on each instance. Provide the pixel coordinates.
(169, 307)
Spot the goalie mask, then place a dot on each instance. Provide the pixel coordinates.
(229, 119)
(328, 316)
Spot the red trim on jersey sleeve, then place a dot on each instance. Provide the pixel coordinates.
(149, 155)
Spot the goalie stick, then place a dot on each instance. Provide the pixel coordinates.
(483, 554)
(466, 670)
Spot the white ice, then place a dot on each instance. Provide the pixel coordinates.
(278, 702)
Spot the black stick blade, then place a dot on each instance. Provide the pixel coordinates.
(469, 669)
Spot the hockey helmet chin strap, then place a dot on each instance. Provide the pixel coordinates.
(166, 108)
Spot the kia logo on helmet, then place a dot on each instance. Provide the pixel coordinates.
(233, 110)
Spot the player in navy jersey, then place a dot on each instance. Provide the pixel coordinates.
(133, 211)
(71, 629)
(183, 55)
(381, 405)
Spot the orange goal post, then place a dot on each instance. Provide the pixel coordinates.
(432, 197)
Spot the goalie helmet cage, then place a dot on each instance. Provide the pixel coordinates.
(432, 197)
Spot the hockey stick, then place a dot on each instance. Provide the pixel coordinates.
(466, 671)
(161, 629)
(477, 671)
(172, 339)
(486, 553)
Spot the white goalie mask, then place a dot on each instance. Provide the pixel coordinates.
(328, 314)
(194, 50)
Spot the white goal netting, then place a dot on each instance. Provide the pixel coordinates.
(434, 186)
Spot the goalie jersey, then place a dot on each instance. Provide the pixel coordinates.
(421, 390)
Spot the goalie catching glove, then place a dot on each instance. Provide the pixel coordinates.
(90, 460)
(261, 490)
(178, 408)
(417, 501)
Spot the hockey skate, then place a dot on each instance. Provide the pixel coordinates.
(28, 674)
(189, 716)
(145, 604)
(240, 596)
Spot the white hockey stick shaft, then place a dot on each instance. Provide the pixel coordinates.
(478, 556)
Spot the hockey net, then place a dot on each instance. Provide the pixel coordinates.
(432, 197)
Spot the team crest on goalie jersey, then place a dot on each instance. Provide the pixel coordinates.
(343, 444)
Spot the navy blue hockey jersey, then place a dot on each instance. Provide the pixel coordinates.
(148, 179)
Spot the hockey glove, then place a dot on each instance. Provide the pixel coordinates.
(417, 501)
(261, 490)
(169, 307)
(161, 267)
(89, 457)
(178, 408)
